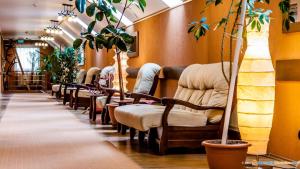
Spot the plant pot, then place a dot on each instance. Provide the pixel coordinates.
(111, 110)
(231, 155)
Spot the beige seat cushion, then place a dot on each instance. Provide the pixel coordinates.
(55, 88)
(100, 101)
(63, 90)
(143, 117)
(83, 93)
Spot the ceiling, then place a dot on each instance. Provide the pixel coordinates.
(27, 19)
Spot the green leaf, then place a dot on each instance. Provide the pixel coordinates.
(258, 26)
(77, 43)
(91, 26)
(253, 24)
(117, 1)
(90, 10)
(80, 5)
(121, 45)
(218, 2)
(91, 44)
(127, 38)
(99, 16)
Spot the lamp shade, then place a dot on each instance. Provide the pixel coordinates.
(256, 91)
(124, 66)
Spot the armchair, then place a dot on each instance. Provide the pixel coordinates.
(59, 89)
(81, 97)
(193, 115)
(146, 83)
(65, 92)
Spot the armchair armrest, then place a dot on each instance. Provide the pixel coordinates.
(138, 96)
(170, 102)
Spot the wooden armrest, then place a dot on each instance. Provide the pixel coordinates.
(109, 90)
(171, 101)
(138, 96)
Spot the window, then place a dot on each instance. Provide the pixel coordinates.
(81, 57)
(29, 58)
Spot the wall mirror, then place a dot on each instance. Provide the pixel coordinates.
(295, 8)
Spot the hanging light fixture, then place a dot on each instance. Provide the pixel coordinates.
(54, 28)
(41, 44)
(47, 38)
(67, 13)
(256, 91)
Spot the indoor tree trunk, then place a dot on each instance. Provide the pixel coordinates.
(120, 75)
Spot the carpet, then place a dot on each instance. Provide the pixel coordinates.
(39, 133)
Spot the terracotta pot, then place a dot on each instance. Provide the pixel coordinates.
(231, 155)
(111, 110)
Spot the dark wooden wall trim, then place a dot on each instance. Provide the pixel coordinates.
(132, 72)
(288, 70)
(172, 72)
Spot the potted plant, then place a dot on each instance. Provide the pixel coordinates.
(113, 35)
(61, 65)
(232, 153)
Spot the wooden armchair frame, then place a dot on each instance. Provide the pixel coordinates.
(178, 136)
(109, 92)
(82, 101)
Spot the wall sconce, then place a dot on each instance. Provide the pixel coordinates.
(124, 65)
(256, 91)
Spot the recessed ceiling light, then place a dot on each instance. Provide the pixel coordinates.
(172, 3)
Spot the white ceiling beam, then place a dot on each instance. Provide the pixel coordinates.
(172, 3)
(84, 25)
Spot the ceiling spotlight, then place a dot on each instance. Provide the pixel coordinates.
(54, 28)
(67, 13)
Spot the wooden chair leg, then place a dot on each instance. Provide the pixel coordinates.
(132, 132)
(107, 118)
(91, 107)
(152, 136)
(119, 127)
(123, 129)
(163, 143)
(141, 137)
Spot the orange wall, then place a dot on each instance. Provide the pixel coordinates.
(164, 40)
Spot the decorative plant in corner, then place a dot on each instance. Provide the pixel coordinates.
(244, 13)
(112, 36)
(61, 65)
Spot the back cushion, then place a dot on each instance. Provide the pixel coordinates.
(145, 78)
(204, 85)
(94, 71)
(106, 76)
(80, 76)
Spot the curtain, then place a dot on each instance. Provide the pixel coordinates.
(29, 58)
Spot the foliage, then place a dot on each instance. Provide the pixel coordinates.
(257, 16)
(112, 35)
(62, 65)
